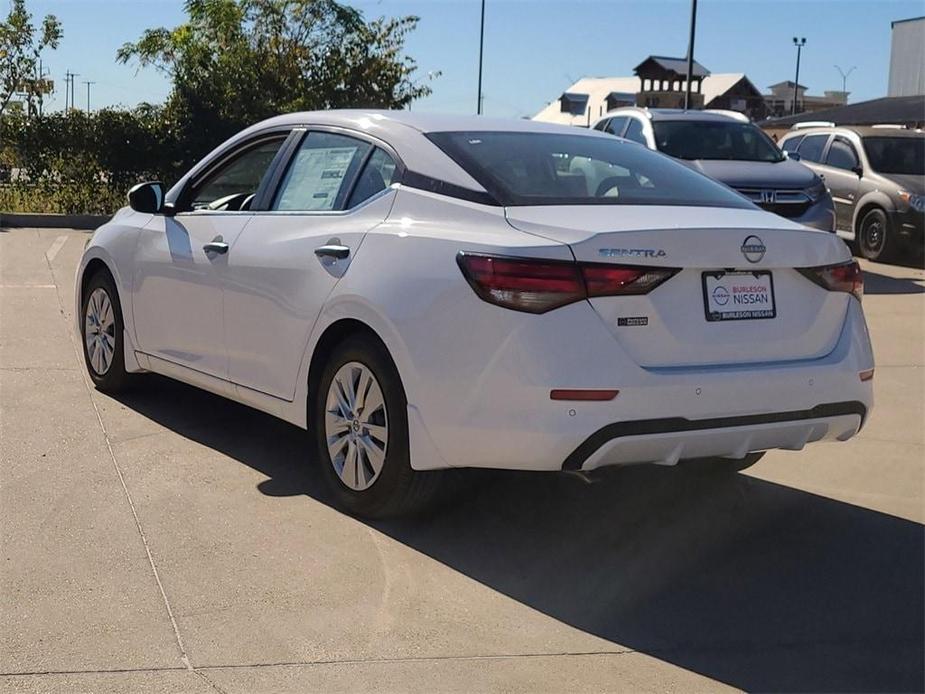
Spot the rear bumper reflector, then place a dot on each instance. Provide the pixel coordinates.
(866, 375)
(586, 395)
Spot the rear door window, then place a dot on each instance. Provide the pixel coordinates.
(841, 155)
(791, 144)
(377, 175)
(634, 131)
(615, 125)
(321, 173)
(812, 146)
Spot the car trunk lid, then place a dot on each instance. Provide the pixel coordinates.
(719, 250)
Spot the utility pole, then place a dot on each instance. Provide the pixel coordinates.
(690, 55)
(73, 85)
(88, 94)
(478, 110)
(844, 79)
(67, 88)
(799, 43)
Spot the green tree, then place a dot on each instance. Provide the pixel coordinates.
(235, 62)
(21, 44)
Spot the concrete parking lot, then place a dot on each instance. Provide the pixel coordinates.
(170, 540)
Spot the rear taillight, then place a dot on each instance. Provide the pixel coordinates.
(538, 286)
(844, 277)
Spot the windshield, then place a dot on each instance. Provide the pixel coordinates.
(686, 139)
(532, 168)
(896, 155)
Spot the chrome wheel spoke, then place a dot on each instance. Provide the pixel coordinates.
(377, 431)
(375, 454)
(336, 446)
(335, 423)
(356, 426)
(364, 384)
(374, 403)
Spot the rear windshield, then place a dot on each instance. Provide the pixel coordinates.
(686, 139)
(896, 155)
(519, 168)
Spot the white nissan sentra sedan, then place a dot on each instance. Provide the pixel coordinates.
(424, 292)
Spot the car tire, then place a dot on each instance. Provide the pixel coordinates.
(102, 333)
(359, 400)
(875, 239)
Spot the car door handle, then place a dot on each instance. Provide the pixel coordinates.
(332, 251)
(216, 247)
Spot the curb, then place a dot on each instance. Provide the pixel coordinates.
(49, 221)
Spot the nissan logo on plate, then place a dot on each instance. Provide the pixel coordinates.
(753, 249)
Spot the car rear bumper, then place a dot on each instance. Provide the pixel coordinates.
(506, 418)
(666, 441)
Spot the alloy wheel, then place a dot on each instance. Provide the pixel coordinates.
(874, 236)
(356, 426)
(100, 331)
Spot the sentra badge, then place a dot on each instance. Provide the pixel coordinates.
(632, 252)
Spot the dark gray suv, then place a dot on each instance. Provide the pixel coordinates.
(726, 146)
(877, 178)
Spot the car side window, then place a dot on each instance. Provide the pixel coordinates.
(377, 175)
(615, 125)
(602, 125)
(811, 147)
(841, 155)
(321, 172)
(634, 131)
(791, 144)
(231, 186)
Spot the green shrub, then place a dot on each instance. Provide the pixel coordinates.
(84, 163)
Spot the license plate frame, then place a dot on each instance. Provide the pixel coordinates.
(717, 316)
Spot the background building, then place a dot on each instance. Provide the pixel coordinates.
(888, 110)
(780, 99)
(907, 57)
(659, 83)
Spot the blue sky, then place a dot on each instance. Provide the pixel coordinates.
(533, 48)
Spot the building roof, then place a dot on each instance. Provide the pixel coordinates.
(888, 109)
(903, 21)
(677, 65)
(787, 83)
(598, 88)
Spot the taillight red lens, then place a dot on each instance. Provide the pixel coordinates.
(843, 277)
(537, 286)
(614, 280)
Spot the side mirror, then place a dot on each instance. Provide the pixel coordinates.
(858, 169)
(147, 197)
(792, 155)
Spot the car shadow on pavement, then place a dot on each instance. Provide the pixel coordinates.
(875, 283)
(755, 584)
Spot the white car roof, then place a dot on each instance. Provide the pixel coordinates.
(404, 131)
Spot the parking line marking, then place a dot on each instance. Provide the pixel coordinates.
(78, 353)
(56, 246)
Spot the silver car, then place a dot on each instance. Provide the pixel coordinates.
(728, 147)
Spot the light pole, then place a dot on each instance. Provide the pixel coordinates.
(844, 79)
(478, 109)
(690, 55)
(799, 43)
(88, 95)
